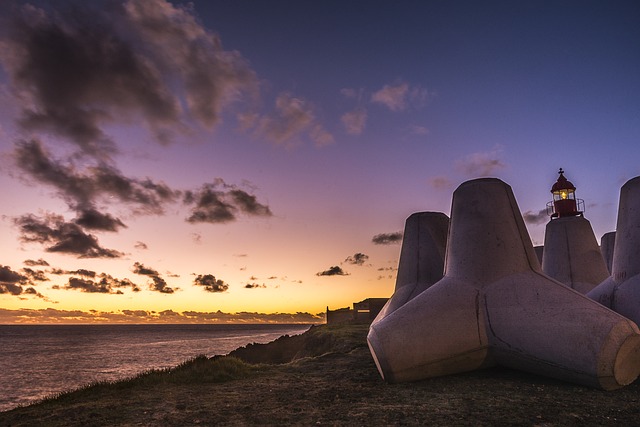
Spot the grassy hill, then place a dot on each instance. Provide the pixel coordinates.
(326, 376)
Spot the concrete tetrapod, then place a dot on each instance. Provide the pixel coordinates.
(621, 291)
(571, 254)
(421, 259)
(495, 306)
(607, 243)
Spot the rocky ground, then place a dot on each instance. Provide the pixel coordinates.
(327, 377)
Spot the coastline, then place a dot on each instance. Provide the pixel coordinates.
(327, 376)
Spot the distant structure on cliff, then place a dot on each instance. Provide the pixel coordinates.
(363, 312)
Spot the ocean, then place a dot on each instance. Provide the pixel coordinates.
(37, 361)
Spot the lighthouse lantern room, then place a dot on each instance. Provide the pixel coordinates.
(564, 202)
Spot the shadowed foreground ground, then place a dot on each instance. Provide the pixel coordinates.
(332, 381)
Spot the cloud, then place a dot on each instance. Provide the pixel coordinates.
(91, 219)
(60, 236)
(419, 130)
(387, 238)
(139, 268)
(83, 188)
(141, 246)
(39, 263)
(92, 282)
(254, 286)
(157, 284)
(355, 121)
(51, 315)
(440, 183)
(9, 280)
(35, 275)
(534, 218)
(219, 202)
(160, 285)
(87, 285)
(292, 119)
(16, 284)
(481, 164)
(357, 259)
(210, 283)
(399, 96)
(333, 271)
(77, 69)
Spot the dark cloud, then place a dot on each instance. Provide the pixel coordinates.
(160, 285)
(78, 69)
(91, 219)
(87, 285)
(531, 217)
(210, 283)
(357, 259)
(387, 238)
(83, 272)
(14, 283)
(8, 276)
(102, 283)
(254, 286)
(35, 275)
(61, 237)
(39, 263)
(83, 188)
(10, 281)
(333, 271)
(139, 268)
(219, 202)
(157, 284)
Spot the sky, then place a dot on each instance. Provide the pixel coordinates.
(253, 161)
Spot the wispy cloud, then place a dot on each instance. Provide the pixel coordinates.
(138, 60)
(440, 183)
(355, 121)
(481, 164)
(399, 96)
(293, 119)
(75, 71)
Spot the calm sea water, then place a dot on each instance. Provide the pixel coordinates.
(37, 361)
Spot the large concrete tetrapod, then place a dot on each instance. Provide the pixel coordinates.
(421, 259)
(495, 306)
(572, 255)
(621, 291)
(607, 244)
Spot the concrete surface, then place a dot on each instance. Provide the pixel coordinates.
(495, 306)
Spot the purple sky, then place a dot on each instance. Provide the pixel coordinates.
(261, 157)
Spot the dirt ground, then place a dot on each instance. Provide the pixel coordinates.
(339, 387)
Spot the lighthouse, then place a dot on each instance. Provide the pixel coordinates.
(571, 253)
(564, 202)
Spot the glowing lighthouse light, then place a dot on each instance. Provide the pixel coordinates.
(564, 199)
